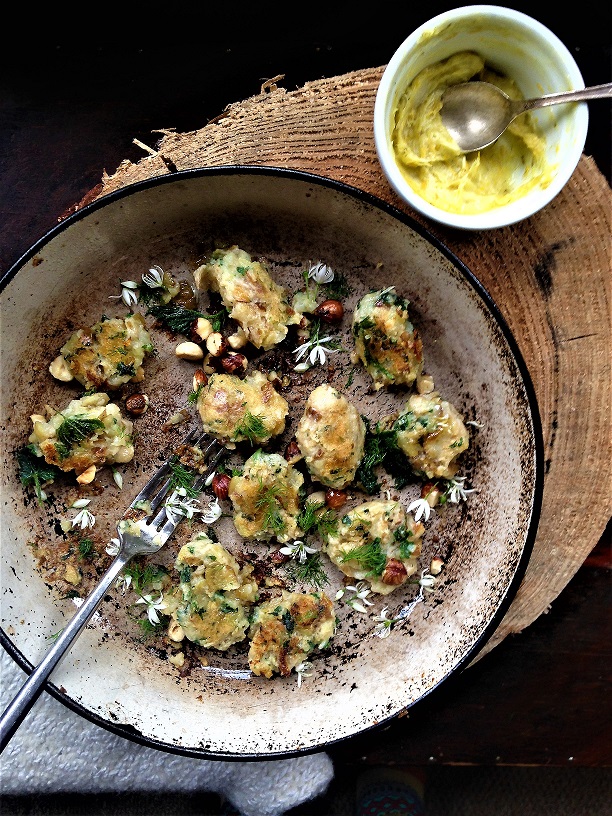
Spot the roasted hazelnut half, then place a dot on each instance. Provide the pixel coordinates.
(394, 573)
(136, 404)
(234, 363)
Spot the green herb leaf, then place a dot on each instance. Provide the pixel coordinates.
(252, 427)
(33, 470)
(75, 429)
(314, 519)
(182, 477)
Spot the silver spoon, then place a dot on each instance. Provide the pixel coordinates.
(477, 113)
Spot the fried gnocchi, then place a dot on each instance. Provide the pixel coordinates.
(287, 629)
(377, 542)
(386, 342)
(266, 498)
(330, 436)
(253, 299)
(106, 356)
(238, 410)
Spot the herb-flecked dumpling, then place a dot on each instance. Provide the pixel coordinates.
(252, 297)
(330, 436)
(238, 410)
(287, 629)
(107, 355)
(89, 431)
(377, 542)
(215, 595)
(386, 342)
(266, 498)
(432, 434)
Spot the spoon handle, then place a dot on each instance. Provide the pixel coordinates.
(594, 92)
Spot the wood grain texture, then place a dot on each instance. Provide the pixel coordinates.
(550, 276)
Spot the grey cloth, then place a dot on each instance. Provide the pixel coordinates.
(57, 751)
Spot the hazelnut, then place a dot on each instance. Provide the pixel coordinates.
(137, 404)
(220, 485)
(216, 344)
(335, 498)
(234, 363)
(87, 476)
(330, 311)
(394, 573)
(189, 351)
(238, 339)
(436, 566)
(199, 378)
(59, 369)
(202, 328)
(431, 493)
(293, 453)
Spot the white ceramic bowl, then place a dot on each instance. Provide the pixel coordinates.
(515, 45)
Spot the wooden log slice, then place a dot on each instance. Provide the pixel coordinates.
(550, 276)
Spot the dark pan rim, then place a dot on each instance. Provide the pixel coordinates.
(131, 733)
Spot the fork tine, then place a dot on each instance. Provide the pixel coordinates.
(158, 476)
(162, 518)
(212, 444)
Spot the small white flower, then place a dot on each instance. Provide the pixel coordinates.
(129, 294)
(84, 518)
(456, 491)
(117, 478)
(359, 598)
(153, 605)
(427, 581)
(421, 508)
(302, 670)
(383, 629)
(212, 513)
(298, 550)
(321, 273)
(316, 351)
(123, 582)
(475, 424)
(179, 504)
(113, 547)
(154, 278)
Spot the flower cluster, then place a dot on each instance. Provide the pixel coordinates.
(153, 279)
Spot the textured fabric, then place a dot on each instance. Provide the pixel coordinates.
(389, 792)
(56, 750)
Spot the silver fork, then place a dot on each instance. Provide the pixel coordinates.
(138, 538)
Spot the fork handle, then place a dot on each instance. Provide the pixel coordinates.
(23, 701)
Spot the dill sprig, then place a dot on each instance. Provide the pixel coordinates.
(33, 470)
(268, 501)
(143, 577)
(309, 571)
(182, 477)
(75, 429)
(370, 556)
(314, 519)
(252, 427)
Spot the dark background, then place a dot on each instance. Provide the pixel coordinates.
(79, 83)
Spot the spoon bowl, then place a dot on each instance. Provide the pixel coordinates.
(477, 113)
